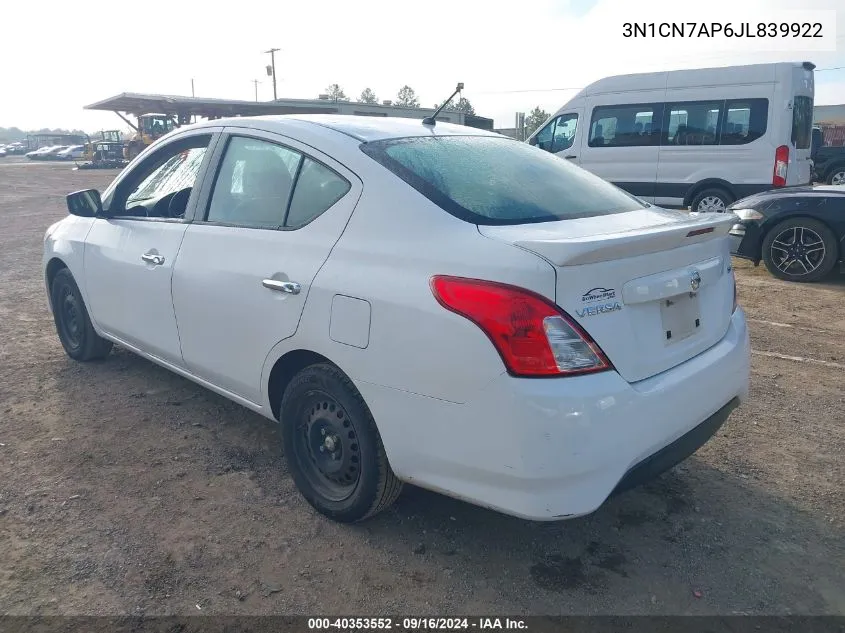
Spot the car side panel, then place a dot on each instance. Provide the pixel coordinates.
(395, 242)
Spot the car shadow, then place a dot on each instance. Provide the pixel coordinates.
(696, 540)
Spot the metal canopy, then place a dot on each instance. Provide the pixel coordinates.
(140, 104)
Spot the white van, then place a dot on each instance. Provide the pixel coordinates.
(691, 138)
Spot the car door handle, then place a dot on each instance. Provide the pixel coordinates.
(151, 258)
(291, 287)
(570, 157)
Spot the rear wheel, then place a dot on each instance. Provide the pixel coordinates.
(836, 175)
(800, 249)
(73, 325)
(333, 447)
(711, 200)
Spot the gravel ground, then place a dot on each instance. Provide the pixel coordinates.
(125, 489)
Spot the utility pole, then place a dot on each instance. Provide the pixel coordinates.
(255, 81)
(193, 94)
(271, 70)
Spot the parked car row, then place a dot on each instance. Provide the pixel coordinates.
(12, 149)
(57, 152)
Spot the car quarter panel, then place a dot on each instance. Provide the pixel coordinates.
(554, 448)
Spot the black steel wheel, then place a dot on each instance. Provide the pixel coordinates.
(73, 325)
(333, 447)
(800, 249)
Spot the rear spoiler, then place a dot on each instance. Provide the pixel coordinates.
(563, 251)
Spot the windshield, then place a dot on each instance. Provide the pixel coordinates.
(492, 180)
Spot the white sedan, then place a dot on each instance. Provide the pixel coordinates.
(431, 304)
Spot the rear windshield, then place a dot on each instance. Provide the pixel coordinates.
(802, 122)
(492, 180)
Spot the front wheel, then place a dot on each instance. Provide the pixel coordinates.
(800, 249)
(334, 450)
(73, 325)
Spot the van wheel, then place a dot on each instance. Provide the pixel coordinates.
(333, 447)
(800, 249)
(73, 325)
(710, 201)
(837, 175)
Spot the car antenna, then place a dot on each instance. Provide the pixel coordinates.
(430, 120)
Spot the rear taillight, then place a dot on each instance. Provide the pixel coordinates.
(781, 165)
(532, 335)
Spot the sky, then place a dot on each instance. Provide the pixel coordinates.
(511, 56)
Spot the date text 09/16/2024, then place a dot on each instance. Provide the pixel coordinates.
(416, 624)
(722, 29)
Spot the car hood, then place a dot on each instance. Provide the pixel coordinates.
(787, 192)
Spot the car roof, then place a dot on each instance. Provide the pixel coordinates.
(361, 128)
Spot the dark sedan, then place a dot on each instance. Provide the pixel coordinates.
(798, 232)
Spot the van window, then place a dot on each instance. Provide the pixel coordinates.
(564, 132)
(558, 134)
(692, 123)
(745, 121)
(802, 122)
(626, 125)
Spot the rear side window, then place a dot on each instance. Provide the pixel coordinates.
(317, 189)
(626, 125)
(745, 121)
(802, 122)
(265, 185)
(491, 180)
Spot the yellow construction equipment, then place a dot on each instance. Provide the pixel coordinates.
(150, 128)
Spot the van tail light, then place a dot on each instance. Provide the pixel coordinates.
(532, 335)
(781, 165)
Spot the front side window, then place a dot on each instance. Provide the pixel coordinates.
(693, 123)
(564, 133)
(746, 121)
(626, 125)
(176, 173)
(168, 175)
(558, 134)
(802, 122)
(490, 180)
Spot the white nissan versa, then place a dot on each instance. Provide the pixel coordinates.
(420, 303)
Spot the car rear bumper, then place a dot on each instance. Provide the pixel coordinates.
(550, 449)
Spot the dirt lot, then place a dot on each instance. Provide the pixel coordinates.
(127, 490)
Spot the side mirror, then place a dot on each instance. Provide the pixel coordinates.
(85, 203)
(532, 140)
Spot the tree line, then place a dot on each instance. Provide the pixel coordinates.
(405, 98)
(13, 134)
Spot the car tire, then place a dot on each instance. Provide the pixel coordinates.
(836, 176)
(73, 325)
(805, 241)
(333, 448)
(711, 200)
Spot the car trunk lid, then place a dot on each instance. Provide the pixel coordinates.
(653, 287)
